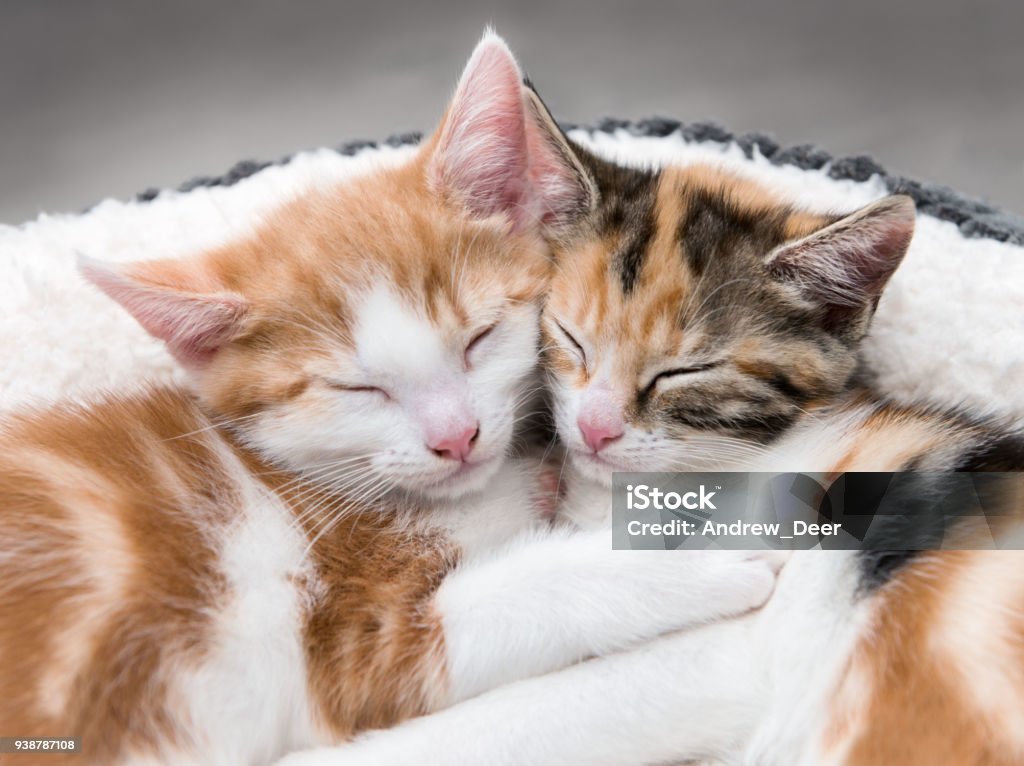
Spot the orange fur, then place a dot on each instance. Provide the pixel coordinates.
(90, 567)
(311, 254)
(113, 514)
(938, 677)
(131, 498)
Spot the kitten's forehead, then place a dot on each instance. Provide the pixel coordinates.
(625, 284)
(625, 220)
(335, 246)
(392, 335)
(667, 248)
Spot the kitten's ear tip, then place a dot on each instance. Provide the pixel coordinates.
(904, 201)
(493, 53)
(895, 218)
(906, 209)
(899, 207)
(87, 264)
(100, 273)
(491, 40)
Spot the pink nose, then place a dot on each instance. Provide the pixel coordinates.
(599, 434)
(455, 446)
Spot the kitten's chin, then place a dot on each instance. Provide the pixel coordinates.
(594, 468)
(469, 478)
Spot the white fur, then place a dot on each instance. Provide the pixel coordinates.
(380, 440)
(553, 601)
(514, 609)
(244, 700)
(528, 600)
(705, 694)
(599, 713)
(247, 698)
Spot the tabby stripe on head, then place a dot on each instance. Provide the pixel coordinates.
(714, 222)
(627, 213)
(630, 256)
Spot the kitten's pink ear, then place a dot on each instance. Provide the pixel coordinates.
(174, 302)
(846, 266)
(493, 155)
(565, 190)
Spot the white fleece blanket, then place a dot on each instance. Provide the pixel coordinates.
(950, 329)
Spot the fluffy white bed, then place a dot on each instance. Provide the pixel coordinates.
(950, 329)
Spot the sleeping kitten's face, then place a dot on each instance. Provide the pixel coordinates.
(380, 336)
(389, 338)
(695, 318)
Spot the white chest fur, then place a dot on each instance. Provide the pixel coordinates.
(486, 521)
(245, 700)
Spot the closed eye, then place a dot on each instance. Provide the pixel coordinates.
(573, 342)
(676, 372)
(477, 340)
(338, 385)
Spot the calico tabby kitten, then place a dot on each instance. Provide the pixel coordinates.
(293, 550)
(698, 322)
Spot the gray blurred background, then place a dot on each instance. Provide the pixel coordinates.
(105, 98)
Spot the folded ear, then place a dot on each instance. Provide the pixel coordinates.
(174, 301)
(845, 266)
(495, 155)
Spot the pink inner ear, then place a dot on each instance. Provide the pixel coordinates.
(556, 188)
(499, 151)
(848, 264)
(193, 325)
(482, 153)
(555, 178)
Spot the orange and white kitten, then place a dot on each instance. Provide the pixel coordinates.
(323, 534)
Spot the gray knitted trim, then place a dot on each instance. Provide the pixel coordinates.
(973, 217)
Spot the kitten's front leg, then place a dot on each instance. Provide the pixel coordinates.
(550, 602)
(685, 697)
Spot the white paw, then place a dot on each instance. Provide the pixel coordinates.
(703, 586)
(744, 580)
(774, 558)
